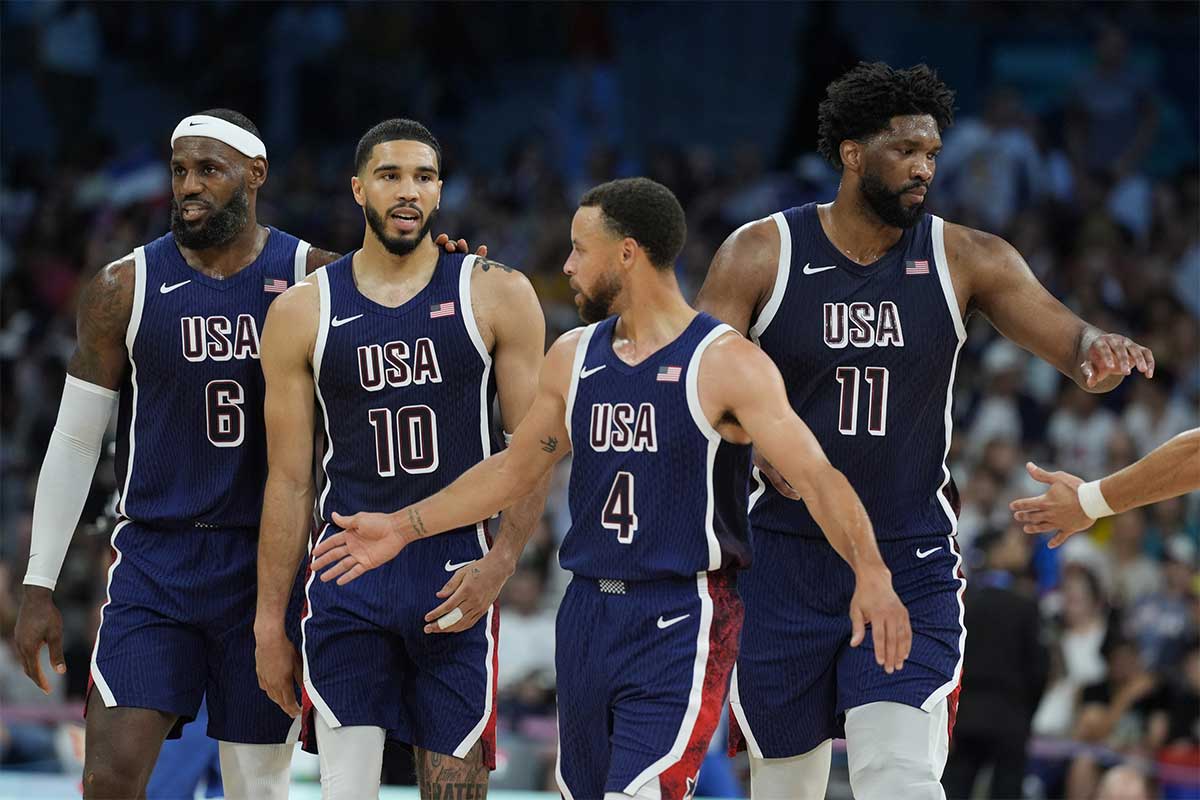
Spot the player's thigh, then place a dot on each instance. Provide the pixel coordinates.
(442, 775)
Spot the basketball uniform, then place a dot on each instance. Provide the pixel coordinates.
(868, 355)
(647, 633)
(406, 394)
(191, 466)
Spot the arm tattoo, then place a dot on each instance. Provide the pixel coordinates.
(487, 264)
(414, 517)
(103, 317)
(550, 444)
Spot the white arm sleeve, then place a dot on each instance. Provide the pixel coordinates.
(66, 476)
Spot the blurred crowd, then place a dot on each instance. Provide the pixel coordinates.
(1078, 659)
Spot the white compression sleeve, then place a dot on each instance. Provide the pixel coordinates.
(66, 476)
(351, 760)
(255, 771)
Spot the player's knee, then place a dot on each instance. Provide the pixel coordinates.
(255, 771)
(114, 777)
(798, 778)
(894, 776)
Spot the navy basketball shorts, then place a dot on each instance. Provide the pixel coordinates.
(368, 660)
(797, 675)
(178, 625)
(643, 672)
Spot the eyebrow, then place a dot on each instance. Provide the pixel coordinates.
(424, 168)
(179, 162)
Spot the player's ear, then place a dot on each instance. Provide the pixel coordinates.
(629, 248)
(257, 174)
(851, 153)
(356, 188)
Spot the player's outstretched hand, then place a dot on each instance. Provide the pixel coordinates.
(460, 246)
(1114, 354)
(470, 591)
(279, 668)
(38, 623)
(366, 541)
(1057, 509)
(775, 477)
(875, 603)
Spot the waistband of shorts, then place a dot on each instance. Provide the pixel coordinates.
(182, 525)
(718, 579)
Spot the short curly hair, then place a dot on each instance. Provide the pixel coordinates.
(643, 210)
(862, 103)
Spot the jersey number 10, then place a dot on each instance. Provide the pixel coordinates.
(410, 437)
(877, 379)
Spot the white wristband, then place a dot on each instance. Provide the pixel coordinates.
(1092, 501)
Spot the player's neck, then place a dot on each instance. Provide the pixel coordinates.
(854, 229)
(228, 259)
(654, 314)
(375, 262)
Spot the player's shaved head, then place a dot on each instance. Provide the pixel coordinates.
(645, 211)
(391, 130)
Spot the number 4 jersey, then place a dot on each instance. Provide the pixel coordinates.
(191, 444)
(655, 492)
(868, 355)
(406, 392)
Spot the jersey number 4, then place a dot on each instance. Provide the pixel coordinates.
(877, 379)
(409, 437)
(618, 514)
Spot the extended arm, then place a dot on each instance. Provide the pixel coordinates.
(370, 540)
(1006, 291)
(94, 375)
(1070, 505)
(287, 340)
(739, 379)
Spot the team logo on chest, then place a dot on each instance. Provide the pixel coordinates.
(219, 338)
(861, 325)
(396, 364)
(622, 428)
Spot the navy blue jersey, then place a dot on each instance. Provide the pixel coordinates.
(655, 492)
(406, 392)
(191, 444)
(868, 354)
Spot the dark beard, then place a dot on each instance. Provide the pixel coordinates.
(886, 203)
(220, 228)
(599, 306)
(397, 246)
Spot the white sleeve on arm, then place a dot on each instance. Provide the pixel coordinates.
(66, 476)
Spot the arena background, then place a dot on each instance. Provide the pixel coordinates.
(1076, 140)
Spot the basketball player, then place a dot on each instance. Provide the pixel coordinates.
(404, 348)
(861, 303)
(1070, 505)
(659, 404)
(174, 329)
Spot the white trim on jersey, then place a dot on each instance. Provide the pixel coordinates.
(318, 702)
(782, 272)
(469, 322)
(464, 747)
(97, 678)
(300, 262)
(131, 332)
(757, 494)
(937, 231)
(319, 353)
(558, 776)
(695, 697)
(581, 348)
(739, 713)
(710, 433)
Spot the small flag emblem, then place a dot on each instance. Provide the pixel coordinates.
(274, 285)
(916, 267)
(441, 310)
(669, 374)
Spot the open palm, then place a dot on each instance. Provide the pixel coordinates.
(365, 542)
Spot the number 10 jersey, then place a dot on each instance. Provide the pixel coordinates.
(405, 393)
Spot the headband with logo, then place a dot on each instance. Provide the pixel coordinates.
(239, 139)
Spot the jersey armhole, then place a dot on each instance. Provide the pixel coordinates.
(324, 305)
(782, 273)
(693, 381)
(468, 309)
(581, 348)
(300, 262)
(937, 232)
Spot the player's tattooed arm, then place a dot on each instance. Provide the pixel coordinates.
(318, 258)
(105, 306)
(550, 444)
(742, 275)
(487, 264)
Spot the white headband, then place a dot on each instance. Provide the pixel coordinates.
(239, 139)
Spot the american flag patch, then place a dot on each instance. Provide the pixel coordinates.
(669, 374)
(441, 310)
(274, 285)
(916, 267)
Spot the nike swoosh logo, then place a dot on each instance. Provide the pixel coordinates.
(455, 567)
(926, 553)
(337, 323)
(808, 269)
(164, 289)
(666, 623)
(194, 124)
(583, 373)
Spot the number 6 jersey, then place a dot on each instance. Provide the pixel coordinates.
(406, 393)
(191, 443)
(655, 492)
